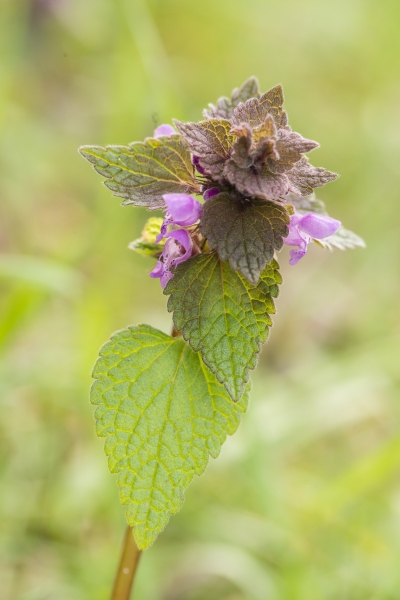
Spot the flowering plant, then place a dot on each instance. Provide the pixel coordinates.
(235, 187)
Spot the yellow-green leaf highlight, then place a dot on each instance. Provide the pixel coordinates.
(223, 315)
(144, 171)
(163, 414)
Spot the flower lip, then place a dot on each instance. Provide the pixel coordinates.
(295, 256)
(303, 228)
(173, 254)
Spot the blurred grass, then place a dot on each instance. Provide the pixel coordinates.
(304, 502)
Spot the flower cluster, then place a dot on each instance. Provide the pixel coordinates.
(251, 147)
(265, 149)
(250, 171)
(183, 212)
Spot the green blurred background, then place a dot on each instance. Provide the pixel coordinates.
(304, 501)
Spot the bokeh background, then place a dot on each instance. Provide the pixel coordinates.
(304, 501)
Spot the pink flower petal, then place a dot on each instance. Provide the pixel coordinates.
(211, 192)
(162, 130)
(181, 236)
(177, 249)
(318, 226)
(196, 163)
(183, 208)
(296, 255)
(158, 270)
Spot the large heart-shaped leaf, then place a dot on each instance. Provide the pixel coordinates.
(163, 414)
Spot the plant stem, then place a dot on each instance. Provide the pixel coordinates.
(175, 333)
(130, 554)
(127, 567)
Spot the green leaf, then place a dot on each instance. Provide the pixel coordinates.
(163, 414)
(144, 171)
(223, 316)
(306, 204)
(342, 239)
(244, 232)
(211, 141)
(225, 106)
(146, 244)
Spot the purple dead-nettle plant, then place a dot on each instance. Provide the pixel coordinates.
(235, 187)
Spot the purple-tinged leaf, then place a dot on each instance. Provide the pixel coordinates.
(267, 129)
(225, 106)
(263, 184)
(210, 141)
(290, 147)
(254, 110)
(244, 232)
(223, 110)
(250, 89)
(303, 177)
(242, 146)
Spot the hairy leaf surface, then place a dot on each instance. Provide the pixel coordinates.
(225, 106)
(304, 177)
(342, 239)
(248, 90)
(163, 414)
(210, 141)
(262, 184)
(244, 232)
(255, 110)
(144, 171)
(290, 147)
(223, 316)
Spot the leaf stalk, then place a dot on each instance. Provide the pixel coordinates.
(127, 567)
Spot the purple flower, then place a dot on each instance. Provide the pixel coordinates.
(161, 130)
(196, 163)
(183, 210)
(211, 192)
(303, 228)
(177, 249)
